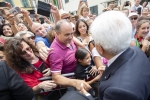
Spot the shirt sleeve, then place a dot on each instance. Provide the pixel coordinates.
(133, 8)
(56, 62)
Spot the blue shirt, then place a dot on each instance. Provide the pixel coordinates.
(43, 39)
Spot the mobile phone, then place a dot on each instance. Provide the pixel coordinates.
(43, 8)
(14, 11)
(139, 10)
(32, 15)
(2, 4)
(127, 3)
(31, 11)
(42, 67)
(83, 0)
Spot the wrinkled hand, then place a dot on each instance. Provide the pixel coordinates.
(93, 71)
(44, 51)
(47, 85)
(47, 72)
(78, 83)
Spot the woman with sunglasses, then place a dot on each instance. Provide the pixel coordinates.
(22, 56)
(27, 35)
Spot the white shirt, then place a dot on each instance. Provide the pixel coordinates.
(114, 58)
(84, 18)
(134, 8)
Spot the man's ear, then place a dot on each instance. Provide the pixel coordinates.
(99, 49)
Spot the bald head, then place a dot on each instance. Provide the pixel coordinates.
(38, 29)
(60, 24)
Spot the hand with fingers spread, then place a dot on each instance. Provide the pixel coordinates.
(47, 72)
(44, 51)
(93, 71)
(47, 85)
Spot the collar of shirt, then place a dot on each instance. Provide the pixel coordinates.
(114, 58)
(63, 46)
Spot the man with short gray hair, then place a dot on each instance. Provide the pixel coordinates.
(127, 75)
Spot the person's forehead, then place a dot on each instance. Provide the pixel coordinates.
(24, 45)
(133, 16)
(66, 27)
(6, 26)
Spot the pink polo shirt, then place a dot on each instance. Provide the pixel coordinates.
(62, 58)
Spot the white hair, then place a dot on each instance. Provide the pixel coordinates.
(113, 31)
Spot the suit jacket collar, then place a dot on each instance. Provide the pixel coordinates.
(117, 63)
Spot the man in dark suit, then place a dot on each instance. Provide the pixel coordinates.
(12, 87)
(127, 74)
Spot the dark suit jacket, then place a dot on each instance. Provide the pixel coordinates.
(75, 95)
(127, 78)
(12, 87)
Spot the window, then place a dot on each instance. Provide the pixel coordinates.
(11, 2)
(94, 9)
(25, 3)
(66, 1)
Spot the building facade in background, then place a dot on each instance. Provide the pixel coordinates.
(96, 6)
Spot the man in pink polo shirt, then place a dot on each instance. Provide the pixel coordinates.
(62, 58)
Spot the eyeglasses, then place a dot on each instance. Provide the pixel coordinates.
(134, 18)
(66, 18)
(31, 37)
(1, 57)
(25, 51)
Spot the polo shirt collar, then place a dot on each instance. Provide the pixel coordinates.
(63, 46)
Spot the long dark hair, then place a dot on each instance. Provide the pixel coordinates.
(13, 50)
(2, 30)
(77, 33)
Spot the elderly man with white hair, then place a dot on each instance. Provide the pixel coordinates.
(127, 75)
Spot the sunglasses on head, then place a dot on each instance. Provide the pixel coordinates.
(66, 18)
(25, 51)
(134, 18)
(31, 37)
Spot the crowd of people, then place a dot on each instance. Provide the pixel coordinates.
(103, 52)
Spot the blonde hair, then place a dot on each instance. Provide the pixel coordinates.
(84, 7)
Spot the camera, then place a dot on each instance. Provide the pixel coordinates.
(43, 8)
(15, 10)
(127, 3)
(2, 4)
